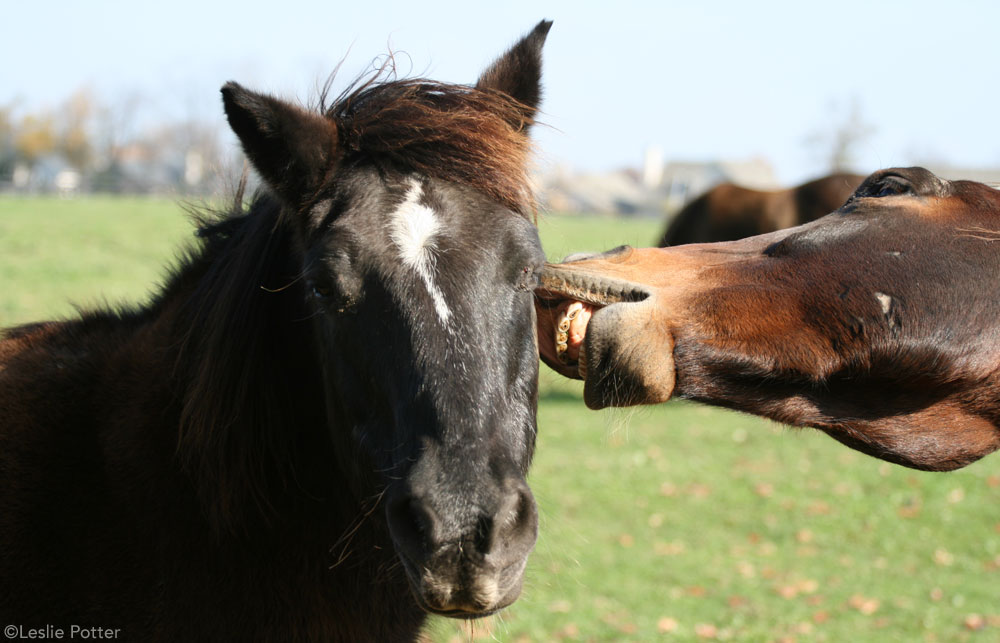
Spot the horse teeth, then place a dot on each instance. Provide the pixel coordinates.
(562, 338)
(564, 325)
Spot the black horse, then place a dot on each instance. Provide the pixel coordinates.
(320, 428)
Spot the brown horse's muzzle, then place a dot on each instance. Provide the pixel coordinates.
(623, 351)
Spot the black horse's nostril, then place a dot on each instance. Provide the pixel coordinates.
(413, 524)
(516, 521)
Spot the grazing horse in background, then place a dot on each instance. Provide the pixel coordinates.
(878, 324)
(728, 211)
(320, 428)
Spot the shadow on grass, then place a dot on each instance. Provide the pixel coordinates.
(560, 396)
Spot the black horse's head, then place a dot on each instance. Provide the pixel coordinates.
(419, 257)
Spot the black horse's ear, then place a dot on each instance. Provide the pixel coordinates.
(291, 148)
(518, 73)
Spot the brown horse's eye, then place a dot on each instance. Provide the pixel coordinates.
(891, 186)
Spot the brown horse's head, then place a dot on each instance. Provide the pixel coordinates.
(879, 323)
(415, 260)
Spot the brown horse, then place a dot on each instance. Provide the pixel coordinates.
(878, 324)
(728, 211)
(320, 428)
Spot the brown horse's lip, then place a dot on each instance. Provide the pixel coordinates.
(560, 284)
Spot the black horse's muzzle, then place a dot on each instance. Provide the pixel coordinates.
(464, 554)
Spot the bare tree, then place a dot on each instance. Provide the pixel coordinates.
(75, 130)
(838, 140)
(8, 154)
(35, 137)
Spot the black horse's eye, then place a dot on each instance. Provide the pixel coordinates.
(320, 292)
(528, 278)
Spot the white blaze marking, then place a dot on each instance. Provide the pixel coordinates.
(413, 228)
(885, 300)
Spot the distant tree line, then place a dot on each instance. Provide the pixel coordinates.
(84, 144)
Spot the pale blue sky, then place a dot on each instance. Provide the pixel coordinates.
(701, 80)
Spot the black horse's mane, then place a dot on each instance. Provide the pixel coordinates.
(242, 316)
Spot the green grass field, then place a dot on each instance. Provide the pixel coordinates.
(679, 522)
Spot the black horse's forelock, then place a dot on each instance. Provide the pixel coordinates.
(468, 135)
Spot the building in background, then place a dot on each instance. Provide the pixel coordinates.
(658, 188)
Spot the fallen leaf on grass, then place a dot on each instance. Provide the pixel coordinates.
(706, 630)
(819, 508)
(628, 628)
(974, 622)
(668, 489)
(571, 631)
(804, 628)
(864, 605)
(699, 491)
(666, 625)
(669, 549)
(736, 602)
(767, 549)
(943, 557)
(911, 508)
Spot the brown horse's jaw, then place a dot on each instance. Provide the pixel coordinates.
(614, 344)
